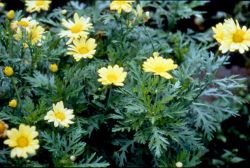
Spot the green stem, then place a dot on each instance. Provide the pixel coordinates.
(149, 36)
(15, 87)
(109, 96)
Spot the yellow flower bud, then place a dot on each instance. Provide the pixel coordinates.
(3, 129)
(72, 158)
(53, 68)
(64, 11)
(146, 17)
(25, 45)
(179, 164)
(13, 103)
(11, 14)
(8, 71)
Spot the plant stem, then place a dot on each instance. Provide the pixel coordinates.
(16, 90)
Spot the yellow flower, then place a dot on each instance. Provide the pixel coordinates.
(64, 11)
(3, 129)
(219, 32)
(23, 141)
(25, 45)
(82, 48)
(79, 28)
(35, 34)
(159, 65)
(232, 37)
(112, 75)
(8, 71)
(53, 68)
(13, 103)
(11, 14)
(120, 5)
(24, 22)
(37, 5)
(60, 115)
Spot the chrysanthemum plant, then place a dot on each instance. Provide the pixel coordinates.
(109, 84)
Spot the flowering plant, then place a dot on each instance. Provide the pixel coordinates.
(110, 84)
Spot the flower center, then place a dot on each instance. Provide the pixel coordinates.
(160, 68)
(60, 115)
(83, 50)
(76, 28)
(39, 3)
(2, 128)
(22, 141)
(112, 77)
(238, 36)
(23, 23)
(121, 2)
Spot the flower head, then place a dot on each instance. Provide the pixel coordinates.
(121, 5)
(13, 103)
(8, 71)
(159, 65)
(35, 34)
(23, 141)
(37, 5)
(79, 28)
(232, 36)
(24, 23)
(112, 75)
(219, 32)
(3, 129)
(53, 68)
(60, 115)
(11, 14)
(82, 48)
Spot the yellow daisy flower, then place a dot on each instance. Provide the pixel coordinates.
(60, 115)
(82, 48)
(24, 22)
(233, 37)
(112, 75)
(219, 32)
(8, 71)
(23, 141)
(121, 5)
(3, 129)
(37, 5)
(159, 65)
(35, 34)
(79, 28)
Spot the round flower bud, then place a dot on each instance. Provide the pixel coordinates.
(179, 164)
(64, 11)
(8, 71)
(11, 14)
(13, 103)
(3, 129)
(72, 158)
(53, 68)
(25, 45)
